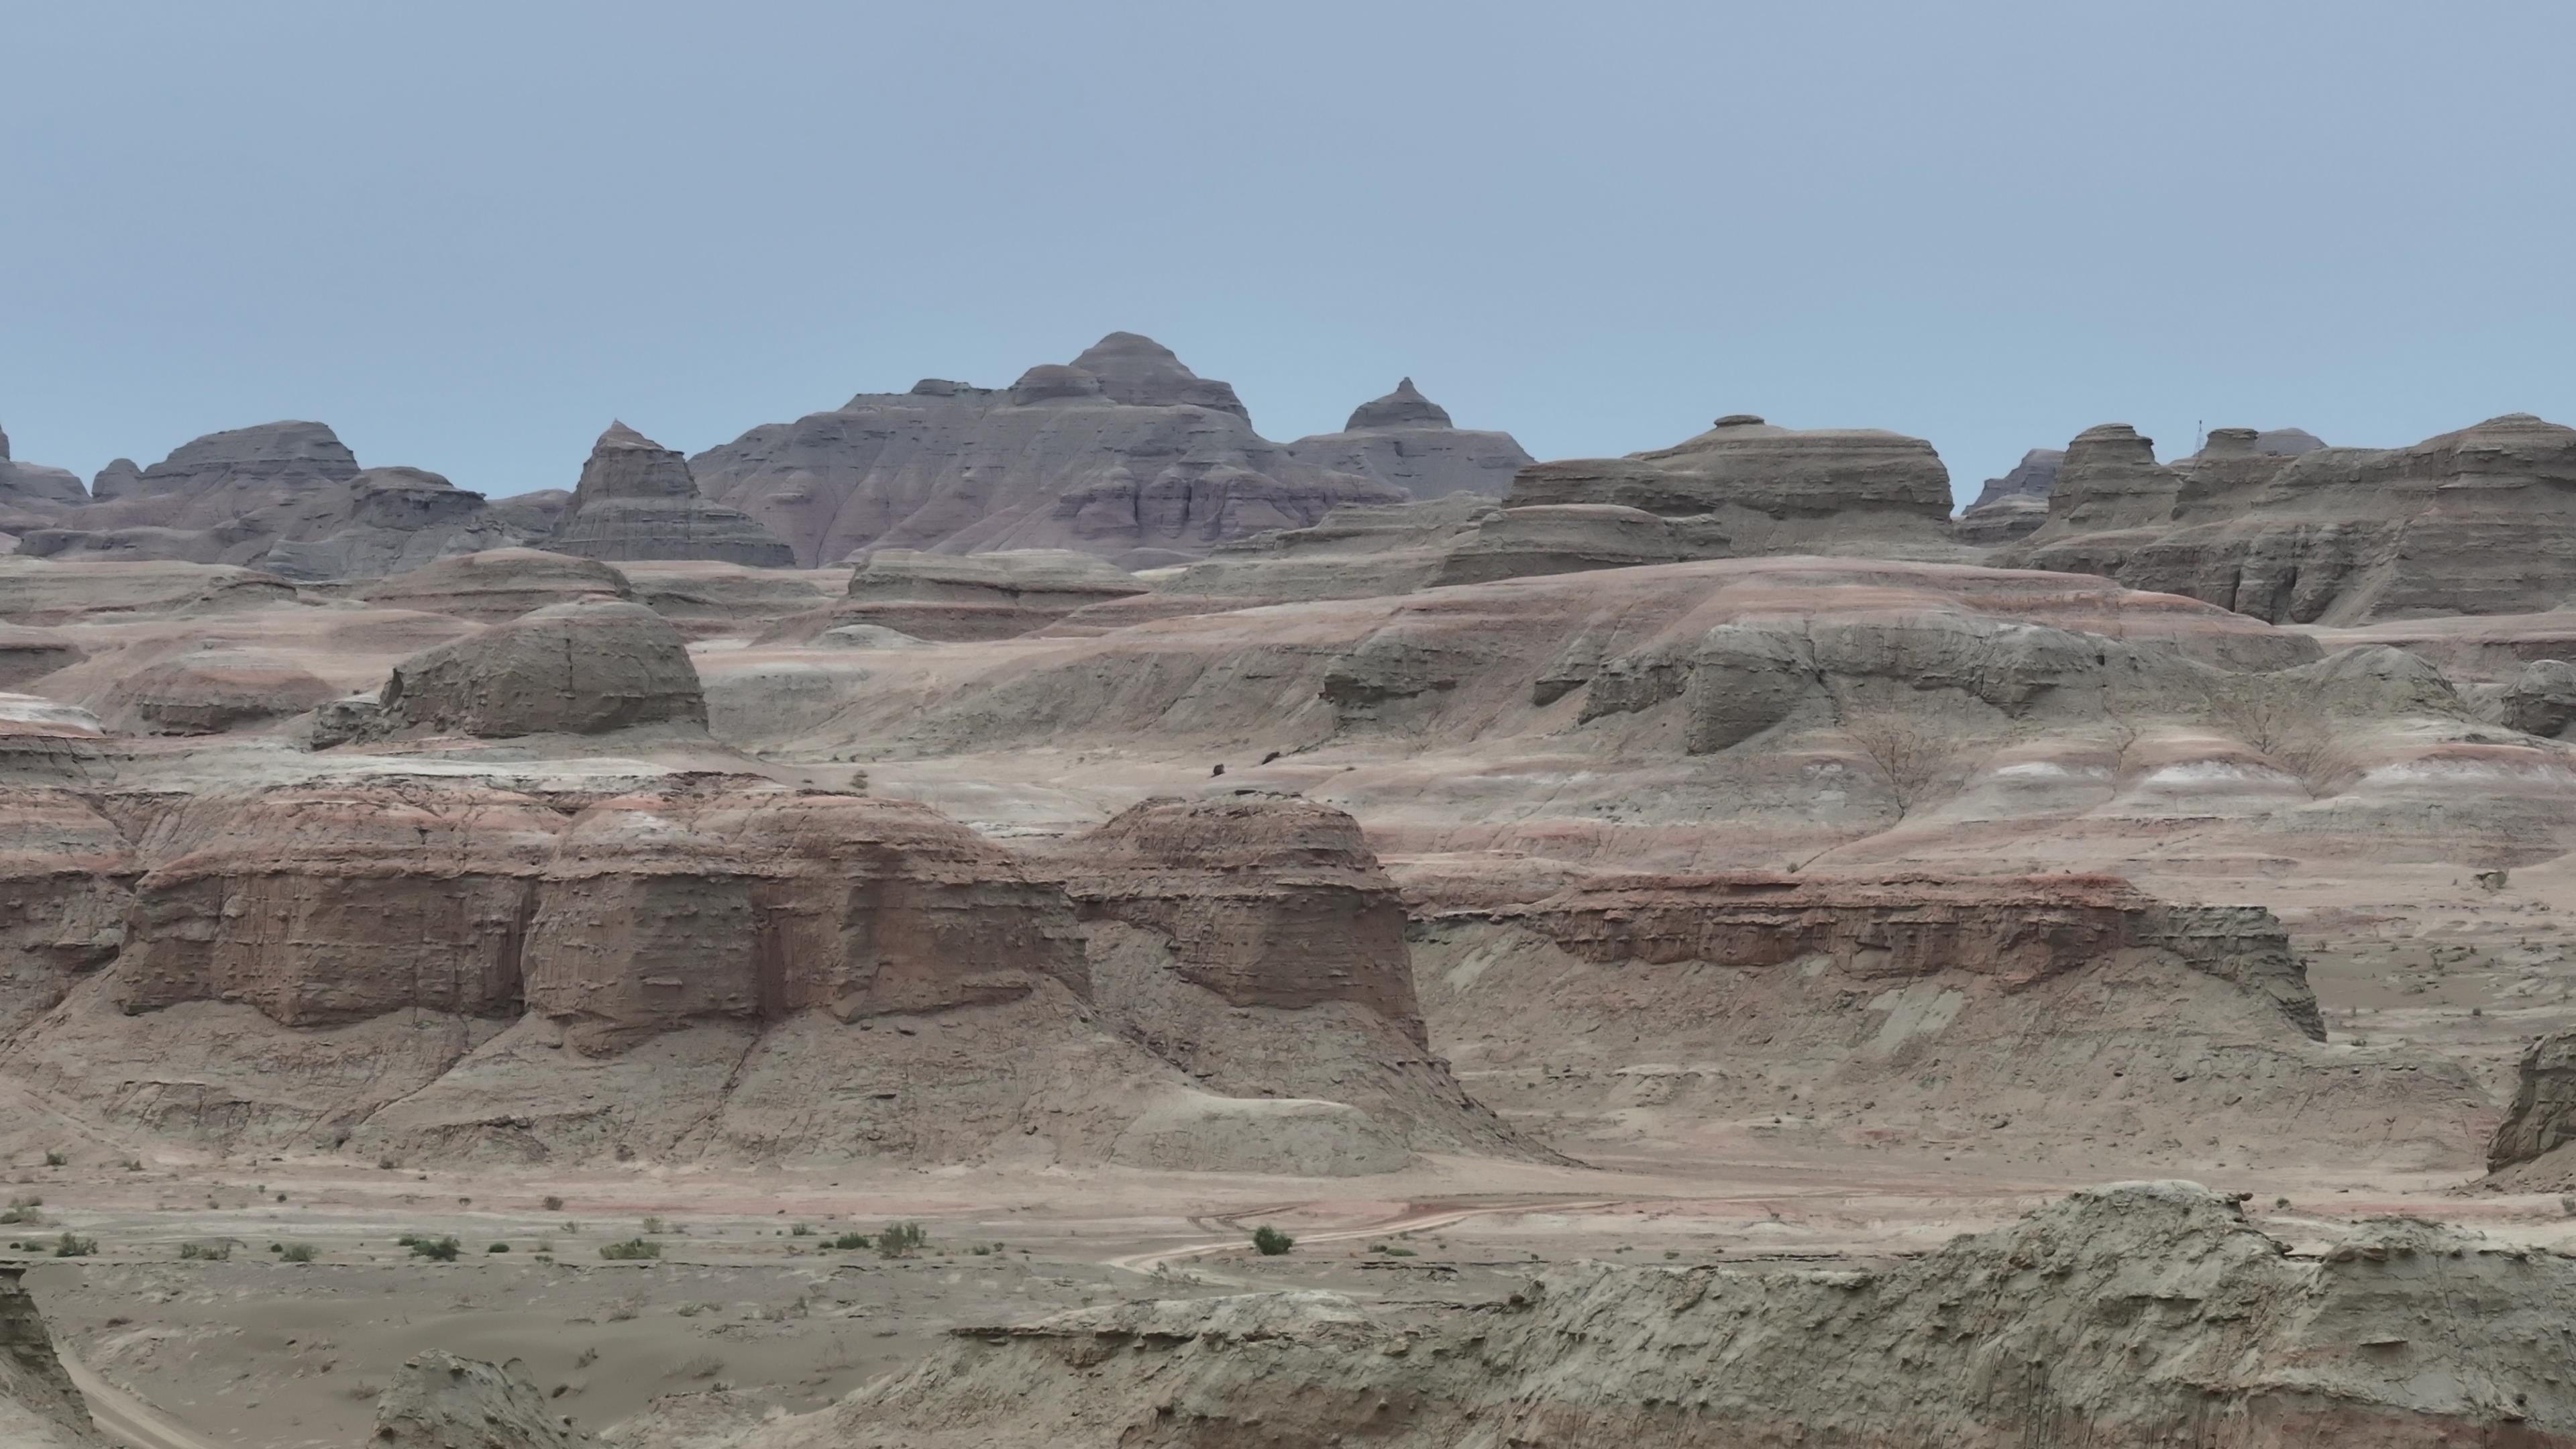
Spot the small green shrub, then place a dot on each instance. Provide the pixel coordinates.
(207, 1252)
(630, 1250)
(72, 1246)
(800, 1231)
(56, 1159)
(654, 1226)
(1269, 1242)
(437, 1250)
(498, 1248)
(554, 1204)
(901, 1240)
(848, 1242)
(296, 1253)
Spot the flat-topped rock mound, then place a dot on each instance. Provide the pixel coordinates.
(1123, 453)
(2250, 1344)
(2014, 505)
(1760, 489)
(1406, 441)
(581, 668)
(967, 596)
(498, 584)
(51, 591)
(2471, 522)
(637, 500)
(211, 690)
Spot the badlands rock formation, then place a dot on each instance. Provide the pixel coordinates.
(636, 500)
(962, 597)
(39, 1406)
(1746, 487)
(1255, 942)
(288, 498)
(1125, 453)
(498, 584)
(2400, 1333)
(2465, 523)
(582, 668)
(2014, 505)
(33, 495)
(2542, 1117)
(441, 1401)
(1406, 441)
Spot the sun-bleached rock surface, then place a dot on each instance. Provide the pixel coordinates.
(210, 690)
(2401, 1333)
(637, 500)
(1406, 441)
(288, 498)
(442, 1401)
(1122, 453)
(2471, 522)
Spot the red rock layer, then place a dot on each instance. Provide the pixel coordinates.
(659, 912)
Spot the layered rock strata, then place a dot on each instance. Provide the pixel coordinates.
(1124, 453)
(637, 500)
(288, 498)
(2472, 522)
(1406, 441)
(2032, 1333)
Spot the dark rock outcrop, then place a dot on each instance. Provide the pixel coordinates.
(637, 500)
(2543, 1115)
(2481, 521)
(1406, 441)
(1122, 453)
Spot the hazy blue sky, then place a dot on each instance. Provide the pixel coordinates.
(466, 235)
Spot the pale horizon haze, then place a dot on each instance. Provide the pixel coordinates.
(468, 235)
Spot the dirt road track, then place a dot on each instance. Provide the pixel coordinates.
(1415, 1218)
(121, 1416)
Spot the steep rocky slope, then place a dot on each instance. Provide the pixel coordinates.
(33, 495)
(730, 971)
(39, 1407)
(2011, 1019)
(636, 500)
(1124, 453)
(1406, 441)
(2471, 522)
(288, 498)
(2138, 1314)
(441, 1401)
(2014, 505)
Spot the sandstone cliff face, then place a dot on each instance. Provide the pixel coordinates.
(1406, 441)
(636, 500)
(2472, 522)
(66, 875)
(1760, 489)
(33, 495)
(659, 913)
(285, 497)
(1267, 900)
(2031, 1334)
(210, 691)
(2542, 1117)
(325, 906)
(1255, 943)
(580, 668)
(1122, 453)
(40, 1408)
